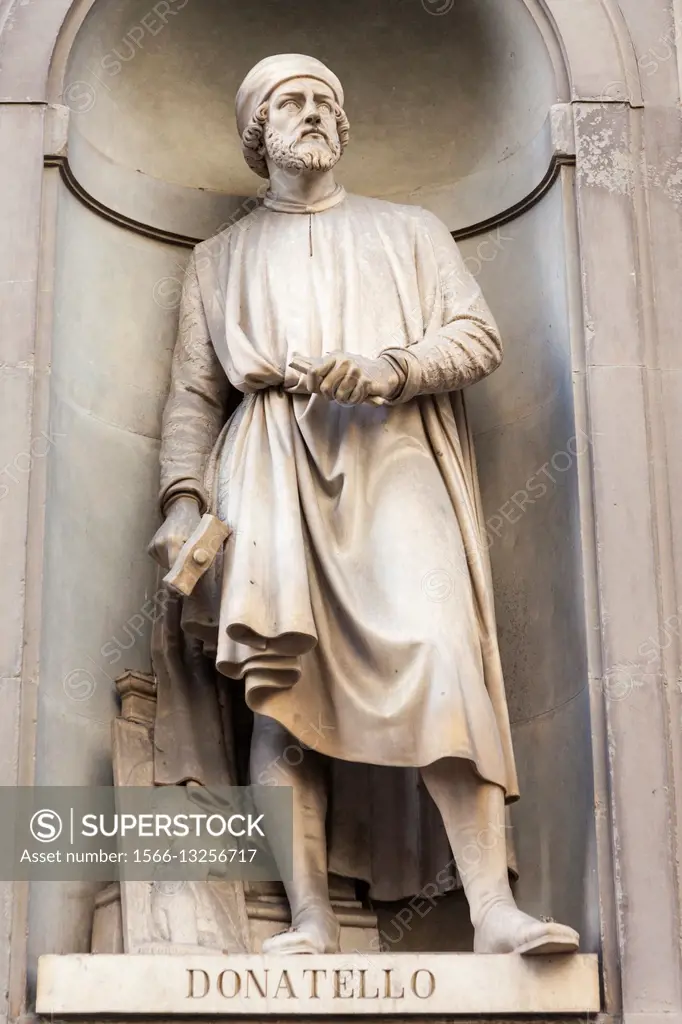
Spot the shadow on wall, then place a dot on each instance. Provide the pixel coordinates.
(434, 91)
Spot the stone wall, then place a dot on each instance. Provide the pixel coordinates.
(587, 293)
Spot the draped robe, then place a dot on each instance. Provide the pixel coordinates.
(354, 596)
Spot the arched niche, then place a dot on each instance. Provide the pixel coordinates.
(36, 42)
(461, 125)
(452, 112)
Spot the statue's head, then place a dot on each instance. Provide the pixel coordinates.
(290, 115)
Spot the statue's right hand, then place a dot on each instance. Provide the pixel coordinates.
(181, 521)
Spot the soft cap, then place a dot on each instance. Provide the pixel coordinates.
(264, 78)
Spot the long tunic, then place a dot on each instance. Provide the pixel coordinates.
(354, 595)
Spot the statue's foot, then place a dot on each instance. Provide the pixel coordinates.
(506, 929)
(316, 931)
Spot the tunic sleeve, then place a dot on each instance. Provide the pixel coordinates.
(463, 345)
(195, 411)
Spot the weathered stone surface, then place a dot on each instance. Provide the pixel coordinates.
(406, 983)
(623, 279)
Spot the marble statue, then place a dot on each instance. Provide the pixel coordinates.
(348, 328)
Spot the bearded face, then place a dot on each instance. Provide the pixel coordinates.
(312, 150)
(301, 132)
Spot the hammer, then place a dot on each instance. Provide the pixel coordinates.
(197, 554)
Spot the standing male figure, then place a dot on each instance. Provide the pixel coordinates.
(346, 487)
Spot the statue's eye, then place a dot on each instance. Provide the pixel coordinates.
(290, 105)
(326, 107)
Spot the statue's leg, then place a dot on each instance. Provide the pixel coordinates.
(314, 927)
(474, 819)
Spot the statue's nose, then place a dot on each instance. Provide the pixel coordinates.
(313, 118)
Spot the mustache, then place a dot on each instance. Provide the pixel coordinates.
(313, 131)
(291, 154)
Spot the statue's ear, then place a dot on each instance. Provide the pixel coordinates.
(261, 117)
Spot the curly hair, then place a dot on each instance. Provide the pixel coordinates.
(253, 144)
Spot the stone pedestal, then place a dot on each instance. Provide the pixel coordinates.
(409, 983)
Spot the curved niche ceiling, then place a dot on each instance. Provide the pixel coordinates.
(435, 100)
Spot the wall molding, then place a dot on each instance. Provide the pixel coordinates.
(188, 242)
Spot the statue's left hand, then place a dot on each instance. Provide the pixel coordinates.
(350, 379)
(182, 519)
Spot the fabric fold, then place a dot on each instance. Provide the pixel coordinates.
(355, 596)
(353, 601)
